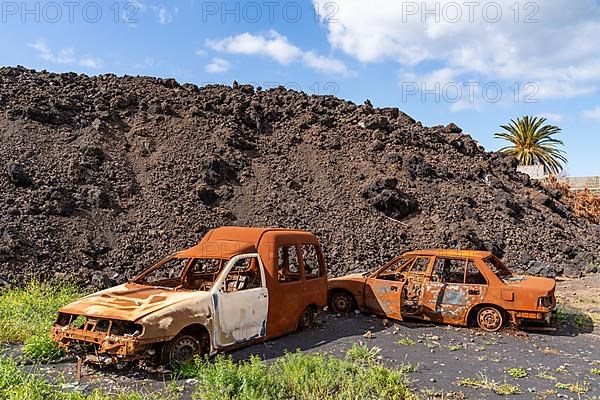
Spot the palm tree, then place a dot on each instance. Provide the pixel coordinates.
(532, 143)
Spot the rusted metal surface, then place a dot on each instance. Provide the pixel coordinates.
(228, 289)
(459, 287)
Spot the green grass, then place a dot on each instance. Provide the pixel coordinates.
(576, 388)
(406, 342)
(517, 372)
(313, 376)
(18, 384)
(488, 384)
(27, 314)
(595, 371)
(362, 353)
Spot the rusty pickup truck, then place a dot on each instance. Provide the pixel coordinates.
(449, 286)
(237, 286)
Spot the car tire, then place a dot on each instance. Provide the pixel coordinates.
(490, 319)
(306, 319)
(181, 350)
(341, 302)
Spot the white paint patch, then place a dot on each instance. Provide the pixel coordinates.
(165, 322)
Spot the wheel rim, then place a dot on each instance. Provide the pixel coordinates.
(184, 350)
(342, 303)
(490, 319)
(306, 319)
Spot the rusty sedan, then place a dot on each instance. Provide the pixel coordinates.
(458, 287)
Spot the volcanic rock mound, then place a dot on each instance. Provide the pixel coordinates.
(101, 176)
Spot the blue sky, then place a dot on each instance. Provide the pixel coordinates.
(477, 64)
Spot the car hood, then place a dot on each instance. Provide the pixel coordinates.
(532, 282)
(129, 302)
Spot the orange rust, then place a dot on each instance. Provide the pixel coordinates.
(456, 287)
(255, 291)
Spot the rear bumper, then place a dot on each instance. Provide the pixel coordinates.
(544, 317)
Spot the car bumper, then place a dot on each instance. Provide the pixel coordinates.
(545, 317)
(81, 342)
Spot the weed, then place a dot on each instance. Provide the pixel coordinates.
(562, 369)
(570, 316)
(546, 375)
(486, 383)
(362, 353)
(17, 384)
(454, 347)
(507, 388)
(406, 342)
(576, 388)
(517, 372)
(595, 371)
(408, 368)
(295, 376)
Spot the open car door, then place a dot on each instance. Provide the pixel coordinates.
(240, 301)
(397, 289)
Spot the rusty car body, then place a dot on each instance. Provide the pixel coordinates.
(458, 287)
(237, 286)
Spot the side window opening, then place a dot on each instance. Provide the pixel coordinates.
(474, 276)
(393, 271)
(310, 258)
(244, 275)
(420, 265)
(288, 267)
(449, 270)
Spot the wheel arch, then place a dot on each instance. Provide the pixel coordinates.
(471, 319)
(199, 331)
(335, 290)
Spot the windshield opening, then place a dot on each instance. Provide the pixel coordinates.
(498, 267)
(185, 273)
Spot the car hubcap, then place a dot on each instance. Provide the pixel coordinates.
(342, 303)
(184, 351)
(490, 319)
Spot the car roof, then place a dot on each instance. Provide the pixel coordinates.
(229, 241)
(449, 253)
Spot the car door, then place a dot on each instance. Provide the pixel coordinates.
(456, 284)
(383, 290)
(240, 300)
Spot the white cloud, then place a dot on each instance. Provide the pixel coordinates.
(217, 66)
(325, 64)
(66, 56)
(200, 53)
(558, 52)
(278, 48)
(592, 113)
(272, 45)
(552, 117)
(164, 15)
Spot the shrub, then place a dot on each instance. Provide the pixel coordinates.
(297, 376)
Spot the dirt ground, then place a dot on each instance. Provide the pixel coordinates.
(440, 359)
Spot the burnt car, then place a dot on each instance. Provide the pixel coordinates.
(458, 287)
(237, 286)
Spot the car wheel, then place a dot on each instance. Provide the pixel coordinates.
(341, 302)
(181, 350)
(490, 319)
(306, 319)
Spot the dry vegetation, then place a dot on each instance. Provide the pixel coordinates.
(585, 203)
